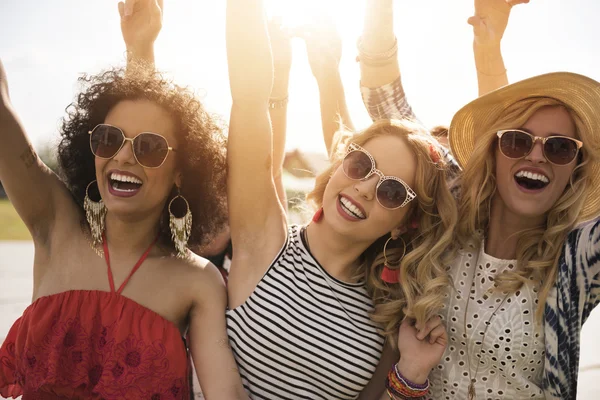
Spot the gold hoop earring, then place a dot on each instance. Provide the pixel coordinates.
(181, 227)
(388, 274)
(95, 213)
(385, 248)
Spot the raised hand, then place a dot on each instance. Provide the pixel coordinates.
(421, 349)
(491, 18)
(141, 22)
(323, 46)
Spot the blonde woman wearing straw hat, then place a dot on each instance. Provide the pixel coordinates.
(545, 260)
(528, 273)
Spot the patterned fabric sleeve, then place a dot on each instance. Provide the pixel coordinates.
(387, 102)
(570, 302)
(588, 266)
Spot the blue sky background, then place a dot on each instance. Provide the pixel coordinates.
(46, 45)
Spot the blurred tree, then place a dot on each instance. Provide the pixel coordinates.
(47, 153)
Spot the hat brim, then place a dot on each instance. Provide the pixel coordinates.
(578, 92)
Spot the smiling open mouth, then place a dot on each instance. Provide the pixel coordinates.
(124, 183)
(350, 208)
(531, 180)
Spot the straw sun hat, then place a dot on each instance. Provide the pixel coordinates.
(578, 92)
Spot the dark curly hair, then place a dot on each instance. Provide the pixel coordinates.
(201, 144)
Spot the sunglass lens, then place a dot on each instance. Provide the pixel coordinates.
(106, 141)
(391, 193)
(560, 151)
(515, 144)
(357, 165)
(150, 149)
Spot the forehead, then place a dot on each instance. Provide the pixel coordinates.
(136, 116)
(393, 156)
(551, 120)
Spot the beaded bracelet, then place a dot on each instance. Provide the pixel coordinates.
(393, 396)
(376, 59)
(275, 104)
(409, 384)
(398, 387)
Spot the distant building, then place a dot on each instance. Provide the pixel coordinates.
(303, 164)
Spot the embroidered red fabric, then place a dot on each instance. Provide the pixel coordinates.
(84, 344)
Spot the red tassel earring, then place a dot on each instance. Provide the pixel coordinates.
(318, 215)
(388, 274)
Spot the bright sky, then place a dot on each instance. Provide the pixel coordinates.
(45, 45)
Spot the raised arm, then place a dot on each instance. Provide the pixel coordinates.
(257, 221)
(282, 62)
(34, 190)
(324, 49)
(141, 22)
(378, 51)
(489, 23)
(381, 86)
(582, 255)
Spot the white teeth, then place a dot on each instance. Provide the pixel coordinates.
(352, 208)
(124, 178)
(532, 175)
(124, 190)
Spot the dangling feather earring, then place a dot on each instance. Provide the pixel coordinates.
(95, 213)
(181, 228)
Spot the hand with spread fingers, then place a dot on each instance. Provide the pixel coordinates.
(491, 18)
(141, 22)
(421, 348)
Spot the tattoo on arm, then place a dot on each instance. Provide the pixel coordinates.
(29, 157)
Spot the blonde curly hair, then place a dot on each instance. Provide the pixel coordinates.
(538, 248)
(422, 270)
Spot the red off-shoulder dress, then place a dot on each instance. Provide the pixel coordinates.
(90, 344)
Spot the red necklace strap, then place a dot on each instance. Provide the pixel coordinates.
(135, 267)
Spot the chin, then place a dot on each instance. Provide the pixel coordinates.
(123, 210)
(529, 209)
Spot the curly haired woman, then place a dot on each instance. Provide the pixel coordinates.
(301, 298)
(115, 285)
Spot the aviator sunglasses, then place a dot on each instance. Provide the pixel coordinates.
(149, 149)
(391, 192)
(558, 150)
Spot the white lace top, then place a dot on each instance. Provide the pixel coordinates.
(511, 358)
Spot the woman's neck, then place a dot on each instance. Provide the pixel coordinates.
(336, 254)
(504, 228)
(130, 235)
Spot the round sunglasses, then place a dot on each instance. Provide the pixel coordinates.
(149, 149)
(391, 192)
(558, 150)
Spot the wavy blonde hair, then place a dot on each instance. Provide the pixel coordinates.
(423, 275)
(538, 248)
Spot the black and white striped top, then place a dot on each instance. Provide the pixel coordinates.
(302, 334)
